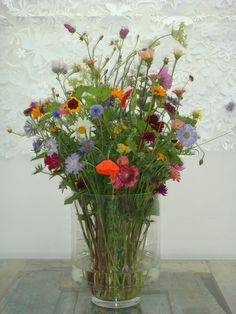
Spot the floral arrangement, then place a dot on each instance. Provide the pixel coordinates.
(115, 135)
(110, 131)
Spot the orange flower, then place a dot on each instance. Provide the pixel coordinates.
(36, 112)
(117, 93)
(146, 54)
(158, 90)
(107, 168)
(161, 156)
(178, 91)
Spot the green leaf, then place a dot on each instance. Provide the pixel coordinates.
(42, 155)
(71, 199)
(45, 117)
(141, 125)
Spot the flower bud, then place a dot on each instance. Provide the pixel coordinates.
(166, 60)
(9, 130)
(70, 28)
(124, 32)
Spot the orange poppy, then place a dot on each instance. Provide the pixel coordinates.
(107, 167)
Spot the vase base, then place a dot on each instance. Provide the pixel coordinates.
(116, 304)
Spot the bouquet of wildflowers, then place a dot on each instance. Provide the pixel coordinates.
(115, 128)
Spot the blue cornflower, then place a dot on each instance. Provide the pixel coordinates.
(96, 111)
(86, 146)
(230, 106)
(51, 146)
(36, 145)
(55, 114)
(187, 135)
(73, 164)
(30, 128)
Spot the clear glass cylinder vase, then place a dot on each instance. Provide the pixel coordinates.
(115, 245)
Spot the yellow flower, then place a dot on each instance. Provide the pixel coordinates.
(178, 53)
(73, 104)
(117, 129)
(197, 114)
(158, 90)
(36, 112)
(81, 130)
(9, 130)
(117, 93)
(122, 148)
(53, 130)
(161, 156)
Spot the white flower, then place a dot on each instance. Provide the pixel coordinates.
(81, 129)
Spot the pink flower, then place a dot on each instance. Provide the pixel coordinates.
(174, 172)
(122, 161)
(62, 109)
(165, 77)
(124, 32)
(146, 54)
(70, 28)
(177, 124)
(127, 176)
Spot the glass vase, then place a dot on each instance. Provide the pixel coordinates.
(115, 245)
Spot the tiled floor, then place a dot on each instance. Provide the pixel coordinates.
(185, 287)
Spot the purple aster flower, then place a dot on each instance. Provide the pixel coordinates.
(96, 111)
(162, 189)
(108, 102)
(165, 77)
(73, 164)
(36, 145)
(86, 146)
(51, 146)
(124, 32)
(173, 100)
(187, 135)
(170, 108)
(230, 106)
(70, 28)
(59, 67)
(55, 114)
(30, 128)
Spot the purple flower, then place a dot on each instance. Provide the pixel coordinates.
(165, 77)
(96, 111)
(124, 32)
(36, 145)
(230, 106)
(108, 102)
(30, 128)
(73, 164)
(170, 108)
(86, 146)
(59, 67)
(187, 135)
(51, 146)
(70, 28)
(55, 114)
(162, 189)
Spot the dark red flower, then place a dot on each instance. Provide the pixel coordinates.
(148, 136)
(52, 161)
(152, 119)
(80, 184)
(162, 189)
(159, 126)
(170, 108)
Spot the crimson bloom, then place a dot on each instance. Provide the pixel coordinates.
(52, 162)
(148, 136)
(125, 96)
(127, 176)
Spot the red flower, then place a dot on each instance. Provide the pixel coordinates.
(125, 96)
(107, 167)
(52, 161)
(127, 176)
(148, 136)
(159, 126)
(178, 91)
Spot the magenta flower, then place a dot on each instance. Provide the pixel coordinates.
(127, 176)
(162, 189)
(124, 32)
(165, 78)
(70, 28)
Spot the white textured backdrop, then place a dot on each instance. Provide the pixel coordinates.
(198, 214)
